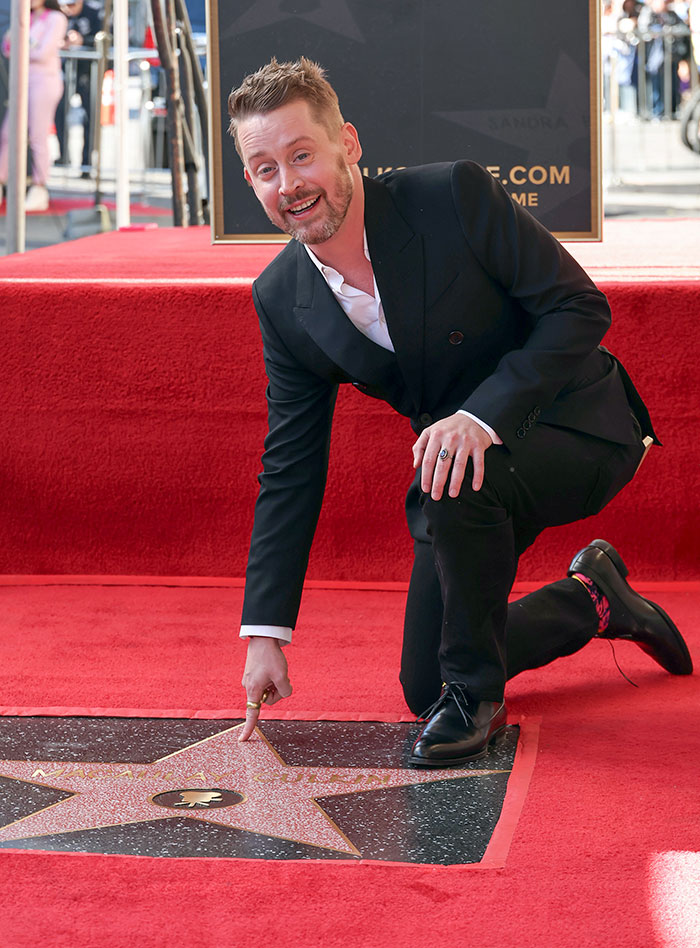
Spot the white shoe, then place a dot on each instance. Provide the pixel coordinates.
(37, 198)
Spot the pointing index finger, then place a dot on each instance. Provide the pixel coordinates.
(251, 719)
(252, 713)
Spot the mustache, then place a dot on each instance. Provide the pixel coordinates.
(298, 199)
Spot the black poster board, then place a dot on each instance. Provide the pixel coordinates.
(513, 86)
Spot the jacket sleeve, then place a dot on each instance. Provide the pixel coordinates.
(567, 316)
(51, 39)
(295, 462)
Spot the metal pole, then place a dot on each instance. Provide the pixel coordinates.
(102, 46)
(200, 94)
(17, 170)
(164, 29)
(614, 96)
(191, 159)
(121, 108)
(668, 74)
(70, 73)
(642, 80)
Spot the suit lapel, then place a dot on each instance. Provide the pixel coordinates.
(396, 252)
(323, 318)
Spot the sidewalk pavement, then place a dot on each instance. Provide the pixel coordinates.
(151, 199)
(647, 173)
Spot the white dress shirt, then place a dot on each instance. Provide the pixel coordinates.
(366, 313)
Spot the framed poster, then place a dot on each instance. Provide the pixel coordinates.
(513, 86)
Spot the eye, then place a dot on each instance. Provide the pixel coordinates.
(302, 156)
(265, 170)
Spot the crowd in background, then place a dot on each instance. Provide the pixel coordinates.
(651, 55)
(55, 25)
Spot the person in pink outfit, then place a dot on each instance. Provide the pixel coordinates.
(47, 33)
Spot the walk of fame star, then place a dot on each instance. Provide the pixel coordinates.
(217, 780)
(182, 787)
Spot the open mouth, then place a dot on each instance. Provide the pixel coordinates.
(303, 208)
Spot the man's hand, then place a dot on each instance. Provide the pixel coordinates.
(265, 674)
(461, 438)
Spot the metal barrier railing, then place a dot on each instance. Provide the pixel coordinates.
(151, 146)
(649, 91)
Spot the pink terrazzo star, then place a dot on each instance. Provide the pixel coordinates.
(267, 796)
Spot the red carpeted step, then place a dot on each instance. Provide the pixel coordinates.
(133, 417)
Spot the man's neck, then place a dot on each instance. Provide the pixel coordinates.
(345, 250)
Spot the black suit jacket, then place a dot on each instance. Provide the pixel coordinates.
(486, 311)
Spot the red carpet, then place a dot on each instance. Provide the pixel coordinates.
(133, 419)
(132, 431)
(605, 852)
(63, 205)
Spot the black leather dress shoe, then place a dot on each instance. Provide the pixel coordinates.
(632, 617)
(459, 729)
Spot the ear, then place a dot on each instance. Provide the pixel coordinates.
(246, 175)
(350, 141)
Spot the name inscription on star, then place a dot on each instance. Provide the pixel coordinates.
(301, 775)
(243, 786)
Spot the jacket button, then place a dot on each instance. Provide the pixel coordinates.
(537, 409)
(425, 419)
(527, 425)
(520, 433)
(532, 417)
(456, 337)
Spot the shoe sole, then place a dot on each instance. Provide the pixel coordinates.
(496, 738)
(620, 566)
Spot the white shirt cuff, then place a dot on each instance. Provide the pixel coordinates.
(281, 632)
(482, 424)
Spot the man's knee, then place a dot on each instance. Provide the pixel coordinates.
(482, 507)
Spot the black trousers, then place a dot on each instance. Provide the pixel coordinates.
(83, 88)
(459, 625)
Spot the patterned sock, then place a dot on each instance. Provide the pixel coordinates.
(602, 606)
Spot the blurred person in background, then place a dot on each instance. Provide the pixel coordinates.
(84, 23)
(47, 32)
(608, 24)
(656, 21)
(627, 46)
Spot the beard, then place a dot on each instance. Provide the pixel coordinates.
(336, 205)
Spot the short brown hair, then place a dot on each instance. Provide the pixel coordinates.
(277, 84)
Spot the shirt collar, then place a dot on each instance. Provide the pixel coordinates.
(334, 279)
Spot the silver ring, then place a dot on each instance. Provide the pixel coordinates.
(444, 455)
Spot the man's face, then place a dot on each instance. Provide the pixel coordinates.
(301, 176)
(72, 9)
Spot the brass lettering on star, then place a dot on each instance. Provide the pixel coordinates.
(312, 776)
(129, 774)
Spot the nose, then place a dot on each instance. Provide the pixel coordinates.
(289, 181)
